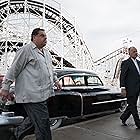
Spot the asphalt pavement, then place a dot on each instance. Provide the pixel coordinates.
(107, 127)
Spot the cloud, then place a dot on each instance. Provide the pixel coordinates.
(105, 23)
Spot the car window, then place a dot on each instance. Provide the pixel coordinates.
(94, 81)
(68, 81)
(79, 80)
(72, 80)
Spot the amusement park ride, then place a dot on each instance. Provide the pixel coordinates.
(19, 17)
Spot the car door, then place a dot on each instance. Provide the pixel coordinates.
(67, 102)
(95, 95)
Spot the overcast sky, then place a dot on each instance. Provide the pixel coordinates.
(106, 23)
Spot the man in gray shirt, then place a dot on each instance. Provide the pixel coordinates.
(34, 77)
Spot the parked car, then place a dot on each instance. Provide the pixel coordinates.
(83, 94)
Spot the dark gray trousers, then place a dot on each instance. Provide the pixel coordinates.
(37, 120)
(131, 109)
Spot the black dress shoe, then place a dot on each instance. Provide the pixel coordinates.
(138, 126)
(123, 122)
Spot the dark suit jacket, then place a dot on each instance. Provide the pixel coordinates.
(129, 77)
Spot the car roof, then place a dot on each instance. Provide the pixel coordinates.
(66, 71)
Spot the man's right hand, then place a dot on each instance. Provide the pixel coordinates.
(6, 95)
(123, 92)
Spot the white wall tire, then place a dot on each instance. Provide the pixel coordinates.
(55, 123)
(123, 106)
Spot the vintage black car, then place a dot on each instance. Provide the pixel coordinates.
(83, 94)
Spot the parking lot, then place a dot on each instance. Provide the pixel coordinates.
(107, 127)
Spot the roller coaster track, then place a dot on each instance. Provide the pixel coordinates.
(108, 67)
(19, 17)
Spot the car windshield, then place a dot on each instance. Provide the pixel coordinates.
(80, 80)
(72, 80)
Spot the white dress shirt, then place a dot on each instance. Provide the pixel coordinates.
(136, 64)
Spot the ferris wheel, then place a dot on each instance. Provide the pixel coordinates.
(19, 17)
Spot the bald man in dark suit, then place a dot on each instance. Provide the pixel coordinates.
(130, 86)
